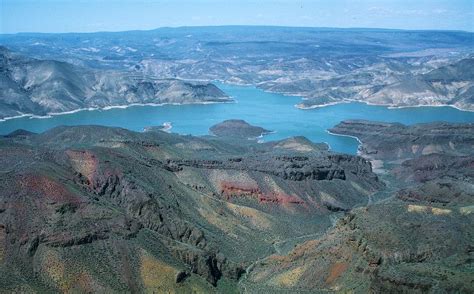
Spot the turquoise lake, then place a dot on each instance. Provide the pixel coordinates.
(272, 111)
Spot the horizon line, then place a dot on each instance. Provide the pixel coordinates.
(239, 25)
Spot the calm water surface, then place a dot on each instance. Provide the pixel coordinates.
(271, 111)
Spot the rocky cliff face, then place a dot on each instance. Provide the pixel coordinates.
(392, 141)
(104, 209)
(38, 87)
(413, 237)
(409, 244)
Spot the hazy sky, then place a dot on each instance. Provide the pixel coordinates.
(119, 15)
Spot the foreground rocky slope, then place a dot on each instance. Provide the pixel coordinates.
(411, 244)
(105, 209)
(38, 87)
(416, 237)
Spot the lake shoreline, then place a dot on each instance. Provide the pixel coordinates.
(272, 110)
(389, 106)
(51, 114)
(349, 136)
(344, 101)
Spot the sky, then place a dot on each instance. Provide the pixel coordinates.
(54, 16)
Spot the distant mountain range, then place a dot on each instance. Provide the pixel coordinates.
(451, 84)
(40, 87)
(324, 66)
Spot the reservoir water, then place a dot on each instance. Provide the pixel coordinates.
(269, 110)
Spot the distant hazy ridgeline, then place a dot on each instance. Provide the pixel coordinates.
(325, 66)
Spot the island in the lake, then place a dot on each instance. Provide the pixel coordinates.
(239, 129)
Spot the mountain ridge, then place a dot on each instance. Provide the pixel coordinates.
(40, 87)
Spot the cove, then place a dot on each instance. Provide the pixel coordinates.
(269, 110)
